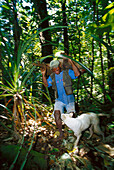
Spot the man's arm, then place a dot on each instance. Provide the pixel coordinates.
(44, 77)
(75, 69)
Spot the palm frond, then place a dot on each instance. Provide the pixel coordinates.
(6, 108)
(27, 76)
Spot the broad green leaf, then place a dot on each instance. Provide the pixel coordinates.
(110, 5)
(8, 73)
(108, 97)
(5, 87)
(9, 84)
(109, 16)
(5, 95)
(6, 7)
(43, 58)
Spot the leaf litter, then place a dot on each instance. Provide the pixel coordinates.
(90, 154)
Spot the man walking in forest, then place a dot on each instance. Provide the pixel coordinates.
(61, 82)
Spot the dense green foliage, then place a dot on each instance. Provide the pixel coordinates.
(90, 27)
(33, 31)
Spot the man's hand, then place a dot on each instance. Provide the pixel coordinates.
(43, 71)
(75, 69)
(70, 61)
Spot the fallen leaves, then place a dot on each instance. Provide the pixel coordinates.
(61, 154)
(106, 149)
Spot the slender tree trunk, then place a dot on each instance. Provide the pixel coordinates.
(65, 34)
(92, 67)
(80, 61)
(79, 47)
(16, 30)
(45, 37)
(103, 77)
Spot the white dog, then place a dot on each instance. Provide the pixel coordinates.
(81, 123)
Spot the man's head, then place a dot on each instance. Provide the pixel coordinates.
(55, 66)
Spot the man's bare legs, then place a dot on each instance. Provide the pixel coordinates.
(58, 121)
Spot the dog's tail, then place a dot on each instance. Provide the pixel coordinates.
(95, 123)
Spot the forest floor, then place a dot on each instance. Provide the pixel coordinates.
(90, 154)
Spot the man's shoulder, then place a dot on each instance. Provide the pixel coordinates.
(67, 71)
(52, 75)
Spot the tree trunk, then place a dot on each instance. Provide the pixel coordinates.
(92, 67)
(65, 34)
(103, 77)
(45, 37)
(79, 47)
(16, 30)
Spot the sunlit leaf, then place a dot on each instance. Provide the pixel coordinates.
(6, 7)
(110, 5)
(108, 97)
(5, 95)
(43, 58)
(109, 16)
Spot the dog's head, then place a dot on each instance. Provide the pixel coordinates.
(64, 116)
